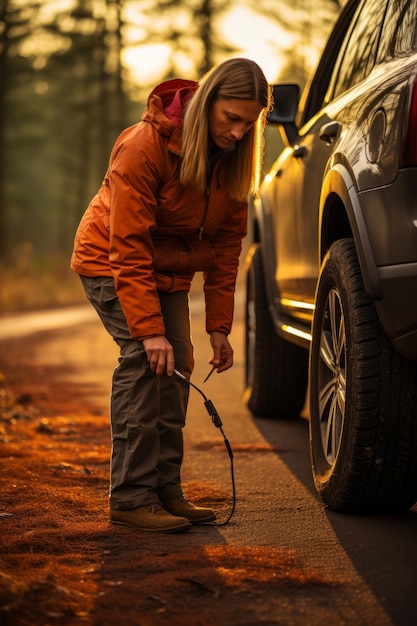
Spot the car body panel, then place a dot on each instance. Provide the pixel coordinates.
(341, 175)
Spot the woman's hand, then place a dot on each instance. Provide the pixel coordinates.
(222, 351)
(160, 355)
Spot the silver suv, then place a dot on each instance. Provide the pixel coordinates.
(332, 275)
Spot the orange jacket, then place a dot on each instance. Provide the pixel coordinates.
(148, 232)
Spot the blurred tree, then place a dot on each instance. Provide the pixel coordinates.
(61, 109)
(190, 28)
(3, 88)
(88, 89)
(14, 27)
(193, 31)
(66, 92)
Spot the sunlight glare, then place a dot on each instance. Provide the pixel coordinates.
(147, 62)
(42, 43)
(49, 10)
(239, 27)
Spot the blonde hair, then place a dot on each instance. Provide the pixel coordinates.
(236, 78)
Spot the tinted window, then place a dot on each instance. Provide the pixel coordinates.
(317, 93)
(399, 34)
(359, 54)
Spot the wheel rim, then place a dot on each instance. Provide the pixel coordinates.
(332, 376)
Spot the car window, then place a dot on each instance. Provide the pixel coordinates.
(399, 34)
(358, 55)
(314, 96)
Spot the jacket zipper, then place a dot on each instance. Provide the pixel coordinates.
(206, 205)
(212, 167)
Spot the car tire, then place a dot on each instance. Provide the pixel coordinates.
(276, 371)
(363, 397)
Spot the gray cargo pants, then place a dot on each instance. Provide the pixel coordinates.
(147, 412)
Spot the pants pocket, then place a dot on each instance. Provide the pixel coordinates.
(100, 291)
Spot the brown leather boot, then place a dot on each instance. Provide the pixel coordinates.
(195, 514)
(150, 518)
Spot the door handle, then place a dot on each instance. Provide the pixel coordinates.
(299, 152)
(330, 132)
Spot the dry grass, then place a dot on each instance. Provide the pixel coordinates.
(30, 283)
(62, 563)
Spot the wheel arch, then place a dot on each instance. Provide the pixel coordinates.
(263, 229)
(341, 216)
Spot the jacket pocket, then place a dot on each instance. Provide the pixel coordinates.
(179, 255)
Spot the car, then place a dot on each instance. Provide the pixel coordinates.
(331, 275)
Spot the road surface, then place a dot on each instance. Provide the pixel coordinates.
(368, 565)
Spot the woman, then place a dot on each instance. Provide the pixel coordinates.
(173, 202)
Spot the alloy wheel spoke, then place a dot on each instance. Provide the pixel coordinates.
(332, 382)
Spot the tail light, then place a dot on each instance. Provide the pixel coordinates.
(410, 141)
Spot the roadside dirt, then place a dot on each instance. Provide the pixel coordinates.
(62, 563)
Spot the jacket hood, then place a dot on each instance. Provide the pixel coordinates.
(166, 104)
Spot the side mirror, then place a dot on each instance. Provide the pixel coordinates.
(286, 98)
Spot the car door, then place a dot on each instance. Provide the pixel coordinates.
(328, 115)
(300, 165)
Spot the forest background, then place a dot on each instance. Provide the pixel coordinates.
(74, 73)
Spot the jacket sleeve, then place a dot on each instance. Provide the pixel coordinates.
(220, 281)
(134, 177)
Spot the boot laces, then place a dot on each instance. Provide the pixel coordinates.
(154, 508)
